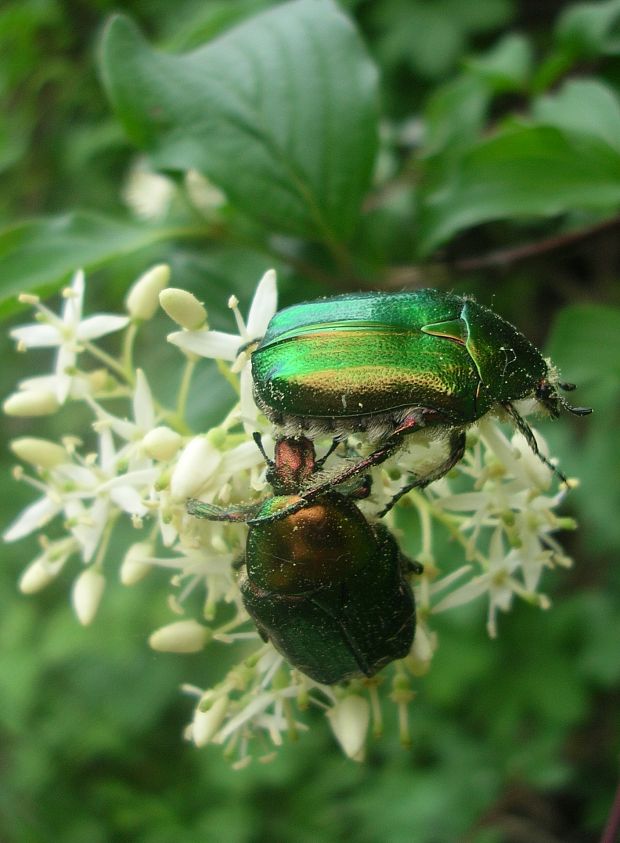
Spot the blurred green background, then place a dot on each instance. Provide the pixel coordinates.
(500, 127)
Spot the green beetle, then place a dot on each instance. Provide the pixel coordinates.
(393, 363)
(326, 587)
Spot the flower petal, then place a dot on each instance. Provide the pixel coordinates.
(197, 464)
(32, 518)
(65, 364)
(249, 410)
(74, 297)
(143, 407)
(128, 499)
(100, 325)
(36, 336)
(264, 305)
(216, 344)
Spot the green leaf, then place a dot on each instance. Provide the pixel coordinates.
(589, 29)
(505, 67)
(585, 106)
(431, 36)
(586, 342)
(455, 115)
(41, 254)
(524, 171)
(280, 113)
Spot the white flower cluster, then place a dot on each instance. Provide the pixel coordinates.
(497, 505)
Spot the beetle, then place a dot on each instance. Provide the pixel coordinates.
(391, 364)
(324, 585)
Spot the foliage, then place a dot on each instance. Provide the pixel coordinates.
(496, 127)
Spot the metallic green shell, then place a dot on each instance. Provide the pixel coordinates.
(374, 353)
(328, 589)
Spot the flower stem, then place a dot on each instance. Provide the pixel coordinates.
(110, 362)
(184, 388)
(128, 343)
(105, 540)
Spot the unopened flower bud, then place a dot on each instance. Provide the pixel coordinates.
(162, 443)
(198, 462)
(100, 380)
(349, 720)
(36, 577)
(143, 297)
(134, 567)
(183, 308)
(206, 723)
(39, 452)
(31, 402)
(87, 593)
(180, 637)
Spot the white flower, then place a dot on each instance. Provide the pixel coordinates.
(110, 490)
(148, 194)
(203, 194)
(67, 333)
(35, 516)
(223, 346)
(498, 583)
(132, 432)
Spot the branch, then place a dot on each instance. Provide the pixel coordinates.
(506, 257)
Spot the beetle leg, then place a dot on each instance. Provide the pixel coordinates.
(457, 449)
(376, 458)
(240, 513)
(524, 428)
(361, 490)
(415, 420)
(320, 463)
(410, 566)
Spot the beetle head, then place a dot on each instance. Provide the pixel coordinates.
(547, 394)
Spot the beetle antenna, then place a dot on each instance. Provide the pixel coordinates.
(524, 428)
(258, 439)
(576, 411)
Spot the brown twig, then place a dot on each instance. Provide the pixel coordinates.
(515, 254)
